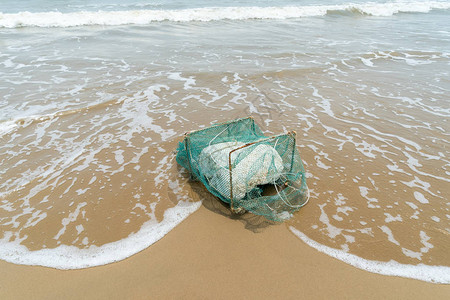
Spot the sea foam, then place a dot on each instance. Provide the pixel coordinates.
(435, 274)
(206, 14)
(71, 257)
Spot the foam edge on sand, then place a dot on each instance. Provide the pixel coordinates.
(434, 274)
(70, 257)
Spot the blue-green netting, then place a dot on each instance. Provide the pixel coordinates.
(240, 165)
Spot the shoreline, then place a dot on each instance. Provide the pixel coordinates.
(210, 255)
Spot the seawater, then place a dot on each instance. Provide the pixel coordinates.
(95, 96)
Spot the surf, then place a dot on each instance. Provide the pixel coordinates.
(208, 14)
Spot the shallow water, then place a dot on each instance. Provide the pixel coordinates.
(90, 117)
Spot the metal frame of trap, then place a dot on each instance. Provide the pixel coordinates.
(234, 209)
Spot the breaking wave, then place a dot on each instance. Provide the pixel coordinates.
(147, 16)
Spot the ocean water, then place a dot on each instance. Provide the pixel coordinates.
(95, 96)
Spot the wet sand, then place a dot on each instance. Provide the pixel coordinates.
(87, 140)
(213, 256)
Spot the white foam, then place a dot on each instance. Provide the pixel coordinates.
(390, 218)
(424, 238)
(412, 205)
(119, 156)
(7, 206)
(69, 219)
(333, 231)
(37, 216)
(436, 219)
(389, 234)
(320, 164)
(79, 228)
(420, 197)
(189, 82)
(364, 191)
(71, 257)
(140, 17)
(435, 274)
(367, 62)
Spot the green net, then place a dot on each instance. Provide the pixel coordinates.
(240, 165)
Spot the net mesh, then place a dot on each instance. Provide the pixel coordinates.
(241, 166)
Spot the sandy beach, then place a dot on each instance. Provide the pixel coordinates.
(95, 97)
(213, 256)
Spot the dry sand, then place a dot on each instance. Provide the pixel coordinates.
(213, 256)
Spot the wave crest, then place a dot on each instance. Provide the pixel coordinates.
(143, 17)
